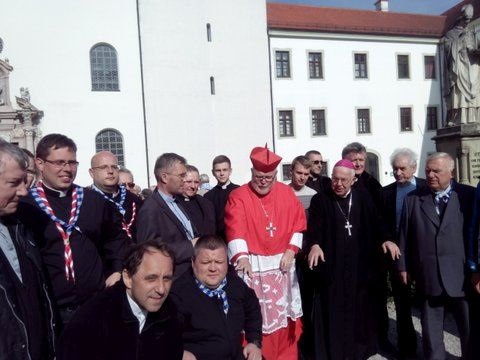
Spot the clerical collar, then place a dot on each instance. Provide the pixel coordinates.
(107, 193)
(408, 183)
(224, 186)
(138, 312)
(167, 198)
(344, 196)
(58, 193)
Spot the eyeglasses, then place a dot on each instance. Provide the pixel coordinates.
(340, 181)
(266, 178)
(62, 163)
(106, 167)
(130, 185)
(181, 176)
(316, 162)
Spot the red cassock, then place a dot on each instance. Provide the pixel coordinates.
(262, 228)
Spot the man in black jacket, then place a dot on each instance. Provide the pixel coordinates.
(317, 181)
(132, 320)
(216, 306)
(26, 317)
(404, 166)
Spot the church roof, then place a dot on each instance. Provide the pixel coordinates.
(340, 20)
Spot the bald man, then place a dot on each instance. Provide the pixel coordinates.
(105, 174)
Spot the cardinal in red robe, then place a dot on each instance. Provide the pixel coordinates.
(264, 223)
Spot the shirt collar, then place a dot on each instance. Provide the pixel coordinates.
(224, 186)
(58, 193)
(168, 199)
(138, 312)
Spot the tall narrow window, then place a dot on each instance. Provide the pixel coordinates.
(363, 121)
(286, 175)
(403, 66)
(104, 68)
(315, 65)
(429, 67)
(318, 122)
(432, 118)
(111, 140)
(405, 119)
(371, 165)
(212, 85)
(285, 123)
(282, 63)
(209, 33)
(361, 68)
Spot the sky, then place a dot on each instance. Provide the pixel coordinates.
(432, 7)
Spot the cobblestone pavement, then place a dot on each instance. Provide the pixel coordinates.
(451, 339)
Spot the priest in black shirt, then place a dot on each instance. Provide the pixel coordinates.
(221, 170)
(317, 181)
(199, 210)
(345, 239)
(78, 232)
(105, 174)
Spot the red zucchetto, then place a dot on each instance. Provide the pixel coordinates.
(345, 163)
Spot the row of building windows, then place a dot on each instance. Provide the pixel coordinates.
(363, 121)
(360, 65)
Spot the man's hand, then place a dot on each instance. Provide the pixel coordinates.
(287, 260)
(476, 282)
(251, 352)
(392, 248)
(244, 265)
(403, 277)
(315, 253)
(112, 279)
(187, 355)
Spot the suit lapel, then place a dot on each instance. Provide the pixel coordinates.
(163, 205)
(451, 208)
(428, 207)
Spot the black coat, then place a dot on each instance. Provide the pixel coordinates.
(105, 328)
(320, 184)
(435, 250)
(13, 339)
(389, 204)
(207, 332)
(201, 214)
(156, 220)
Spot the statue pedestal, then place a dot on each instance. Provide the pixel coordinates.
(462, 142)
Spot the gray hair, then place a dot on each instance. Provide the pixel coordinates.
(124, 170)
(165, 162)
(204, 178)
(442, 155)
(354, 147)
(14, 152)
(191, 168)
(404, 152)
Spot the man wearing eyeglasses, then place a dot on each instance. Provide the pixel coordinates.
(79, 234)
(125, 177)
(317, 181)
(105, 174)
(161, 215)
(264, 221)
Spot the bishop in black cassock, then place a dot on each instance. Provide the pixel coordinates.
(343, 225)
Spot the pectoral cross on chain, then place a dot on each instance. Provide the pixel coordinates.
(271, 228)
(348, 226)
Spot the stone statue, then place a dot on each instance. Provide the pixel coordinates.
(25, 94)
(462, 59)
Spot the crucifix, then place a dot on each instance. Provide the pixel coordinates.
(272, 228)
(348, 226)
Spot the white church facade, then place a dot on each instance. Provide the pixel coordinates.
(208, 77)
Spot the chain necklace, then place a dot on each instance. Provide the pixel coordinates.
(270, 228)
(348, 226)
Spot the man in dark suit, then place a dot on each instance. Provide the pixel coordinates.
(404, 166)
(433, 236)
(162, 217)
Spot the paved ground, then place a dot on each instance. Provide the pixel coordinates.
(451, 339)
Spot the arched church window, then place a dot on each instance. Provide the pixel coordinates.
(104, 68)
(111, 140)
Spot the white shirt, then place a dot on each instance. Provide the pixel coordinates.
(139, 313)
